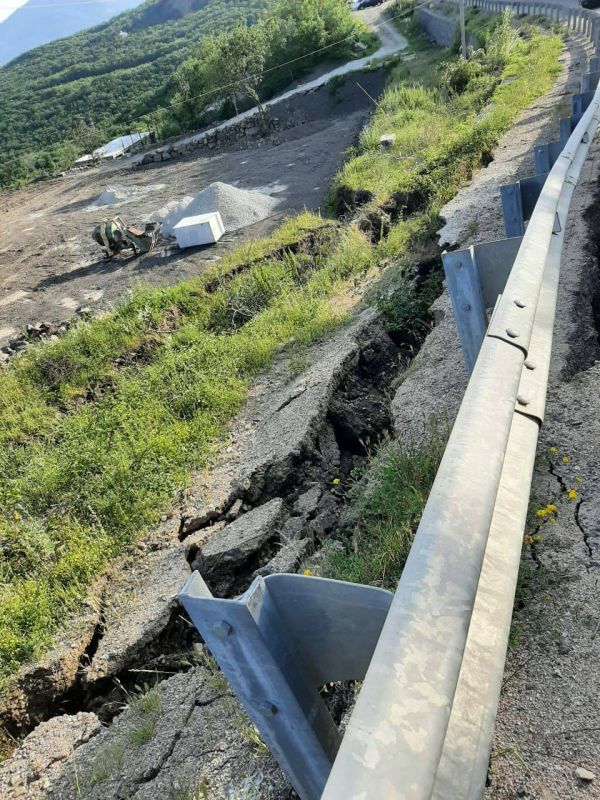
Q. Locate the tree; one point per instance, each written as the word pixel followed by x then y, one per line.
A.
pixel 240 61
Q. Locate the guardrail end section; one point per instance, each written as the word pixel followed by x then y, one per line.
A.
pixel 277 644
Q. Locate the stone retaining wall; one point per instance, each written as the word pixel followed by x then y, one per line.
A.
pixel 245 133
pixel 441 28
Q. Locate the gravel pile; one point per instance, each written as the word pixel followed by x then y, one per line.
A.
pixel 238 207
pixel 116 195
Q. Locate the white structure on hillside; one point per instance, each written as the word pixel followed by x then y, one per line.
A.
pixel 115 148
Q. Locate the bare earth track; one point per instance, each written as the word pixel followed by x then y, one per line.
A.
pixel 49 265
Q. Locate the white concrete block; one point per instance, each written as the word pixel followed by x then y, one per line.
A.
pixel 201 229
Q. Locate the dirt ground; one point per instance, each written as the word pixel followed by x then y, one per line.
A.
pixel 50 266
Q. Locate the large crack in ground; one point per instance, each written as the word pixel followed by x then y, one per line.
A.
pixel 355 417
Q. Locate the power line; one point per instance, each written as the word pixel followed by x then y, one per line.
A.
pixel 219 89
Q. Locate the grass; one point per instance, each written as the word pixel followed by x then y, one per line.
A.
pixel 78 486
pixel 441 136
pixel 108 761
pixel 386 506
pixel 99 429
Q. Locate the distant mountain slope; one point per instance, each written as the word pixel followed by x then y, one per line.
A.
pixel 98 80
pixel 37 22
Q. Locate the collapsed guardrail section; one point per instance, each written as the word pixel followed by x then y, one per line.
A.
pixel 432 655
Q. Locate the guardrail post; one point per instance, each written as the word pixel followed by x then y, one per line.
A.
pixel 580 102
pixel 589 81
pixel 594 64
pixel 512 209
pixel 277 644
pixel 566 128
pixel 465 292
pixel 476 277
pixel 541 158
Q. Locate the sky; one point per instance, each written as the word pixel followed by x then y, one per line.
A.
pixel 8 6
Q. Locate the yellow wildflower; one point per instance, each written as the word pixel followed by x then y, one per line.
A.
pixel 572 494
pixel 541 512
pixel 552 509
pixel 578 479
pixel 537 538
pixel 336 481
pixel 307 572
pixel 546 596
pixel 553 520
pixel 554 450
pixel 565 460
pixel 17 516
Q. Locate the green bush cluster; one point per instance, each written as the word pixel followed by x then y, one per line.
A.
pixel 229 67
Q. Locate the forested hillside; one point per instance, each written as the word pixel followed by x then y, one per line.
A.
pixel 69 96
pixel 36 23
pixel 72 93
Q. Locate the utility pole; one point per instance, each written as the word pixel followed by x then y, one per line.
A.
pixel 463 35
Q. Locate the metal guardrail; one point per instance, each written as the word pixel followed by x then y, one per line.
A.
pixel 423 722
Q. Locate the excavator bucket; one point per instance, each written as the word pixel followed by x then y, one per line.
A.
pixel 114 237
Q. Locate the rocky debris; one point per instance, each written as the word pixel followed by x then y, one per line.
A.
pixel 41 758
pixel 287 558
pixel 326 518
pixel 226 555
pixel 294 528
pixel 238 208
pixel 307 503
pixel 279 436
pixel 187 734
pixel 36 332
pixel 329 447
pixel 584 775
pixel 141 601
pixel 234 511
pixel 387 140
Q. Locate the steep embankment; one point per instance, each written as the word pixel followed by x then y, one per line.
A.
pixel 99 431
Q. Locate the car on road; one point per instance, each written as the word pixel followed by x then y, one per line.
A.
pixel 589 3
pixel 367 4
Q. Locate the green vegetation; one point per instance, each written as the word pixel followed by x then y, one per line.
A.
pixel 99 429
pixel 229 67
pixel 387 508
pixel 71 96
pixel 443 132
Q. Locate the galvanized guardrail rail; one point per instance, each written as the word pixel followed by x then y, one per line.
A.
pixel 432 655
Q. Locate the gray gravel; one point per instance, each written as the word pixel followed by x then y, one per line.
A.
pixel 238 207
